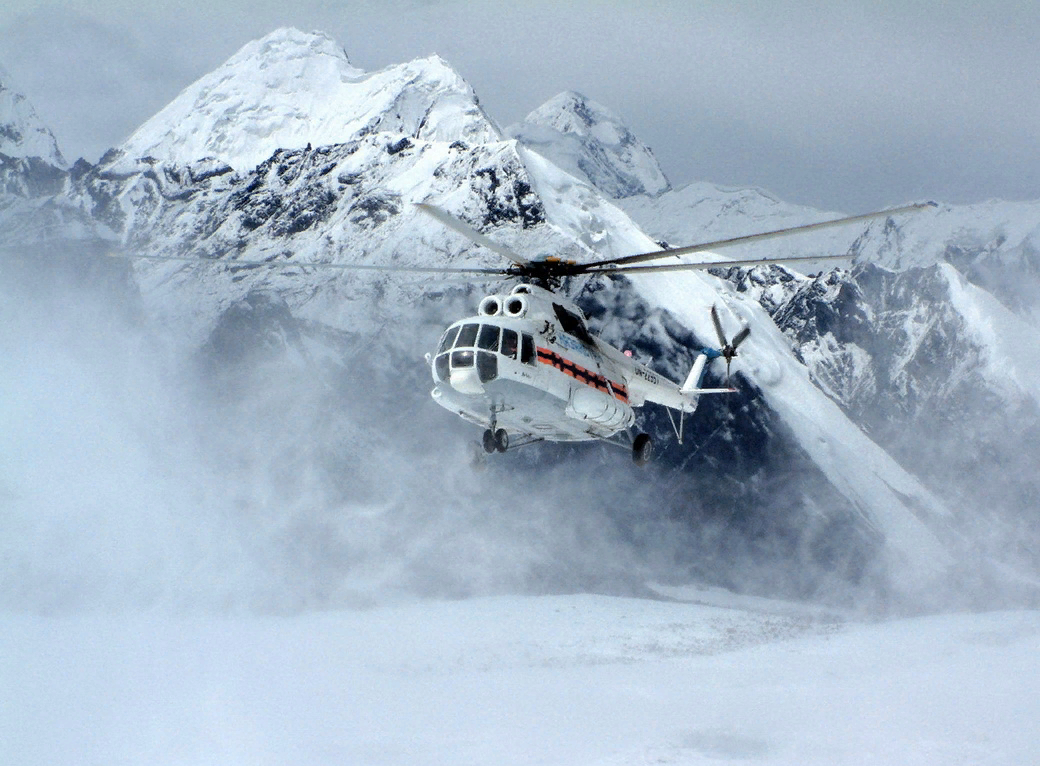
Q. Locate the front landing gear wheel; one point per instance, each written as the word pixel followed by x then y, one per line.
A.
pixel 642 449
pixel 495 441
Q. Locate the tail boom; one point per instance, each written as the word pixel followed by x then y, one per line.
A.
pixel 649 386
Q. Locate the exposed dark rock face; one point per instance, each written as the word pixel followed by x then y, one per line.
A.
pixel 740 478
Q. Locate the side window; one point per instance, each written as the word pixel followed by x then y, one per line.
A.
pixel 488 339
pixel 467 336
pixel 527 350
pixel 509 342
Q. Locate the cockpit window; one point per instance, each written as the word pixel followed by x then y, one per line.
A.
pixel 488 338
pixel 449 338
pixel 461 359
pixel 440 366
pixel 467 335
pixel 509 342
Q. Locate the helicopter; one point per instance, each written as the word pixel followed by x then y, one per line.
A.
pixel 526 368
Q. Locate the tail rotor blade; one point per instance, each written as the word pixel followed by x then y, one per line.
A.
pixel 740 337
pixel 718 327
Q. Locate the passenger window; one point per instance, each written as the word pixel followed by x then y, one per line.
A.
pixel 509 340
pixel 467 336
pixel 449 338
pixel 527 350
pixel 488 339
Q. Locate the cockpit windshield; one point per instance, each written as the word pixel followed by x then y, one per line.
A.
pixel 448 340
pixel 488 338
pixel 467 335
pixel 481 345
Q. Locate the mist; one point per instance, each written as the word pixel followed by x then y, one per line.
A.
pixel 248 476
pixel 286 466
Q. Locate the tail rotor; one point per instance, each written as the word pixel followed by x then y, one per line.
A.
pixel 728 348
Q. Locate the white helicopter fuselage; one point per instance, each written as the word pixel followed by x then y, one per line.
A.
pixel 528 363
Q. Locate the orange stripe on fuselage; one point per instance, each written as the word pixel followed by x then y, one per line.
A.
pixel 582 374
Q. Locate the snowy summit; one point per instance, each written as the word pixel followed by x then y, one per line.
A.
pixel 592 143
pixel 290 89
pixel 22 133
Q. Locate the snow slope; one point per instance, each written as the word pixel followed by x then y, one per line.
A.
pixel 552 680
pixel 290 89
pixel 1012 362
pixel 995 243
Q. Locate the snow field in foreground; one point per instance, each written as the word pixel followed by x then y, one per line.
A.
pixel 537 680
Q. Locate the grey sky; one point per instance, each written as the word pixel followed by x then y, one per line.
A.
pixel 846 106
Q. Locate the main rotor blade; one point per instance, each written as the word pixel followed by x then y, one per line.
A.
pixel 310 264
pixel 654 255
pixel 664 267
pixel 470 233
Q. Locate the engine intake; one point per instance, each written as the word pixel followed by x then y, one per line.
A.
pixel 489 307
pixel 516 306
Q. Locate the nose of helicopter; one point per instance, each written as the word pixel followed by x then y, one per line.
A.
pixel 466 381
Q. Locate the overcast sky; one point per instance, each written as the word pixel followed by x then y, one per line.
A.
pixel 842 105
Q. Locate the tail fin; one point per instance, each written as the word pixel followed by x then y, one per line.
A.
pixel 693 381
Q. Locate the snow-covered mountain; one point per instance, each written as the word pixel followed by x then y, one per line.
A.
pixel 31 165
pixel 994 244
pixel 591 143
pixel 288 152
pixel 292 89
pixel 937 371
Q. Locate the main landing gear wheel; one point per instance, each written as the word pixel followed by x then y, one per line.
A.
pixel 496 441
pixel 642 449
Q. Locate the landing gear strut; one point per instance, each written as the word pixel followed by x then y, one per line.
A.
pixel 496 440
pixel 642 449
